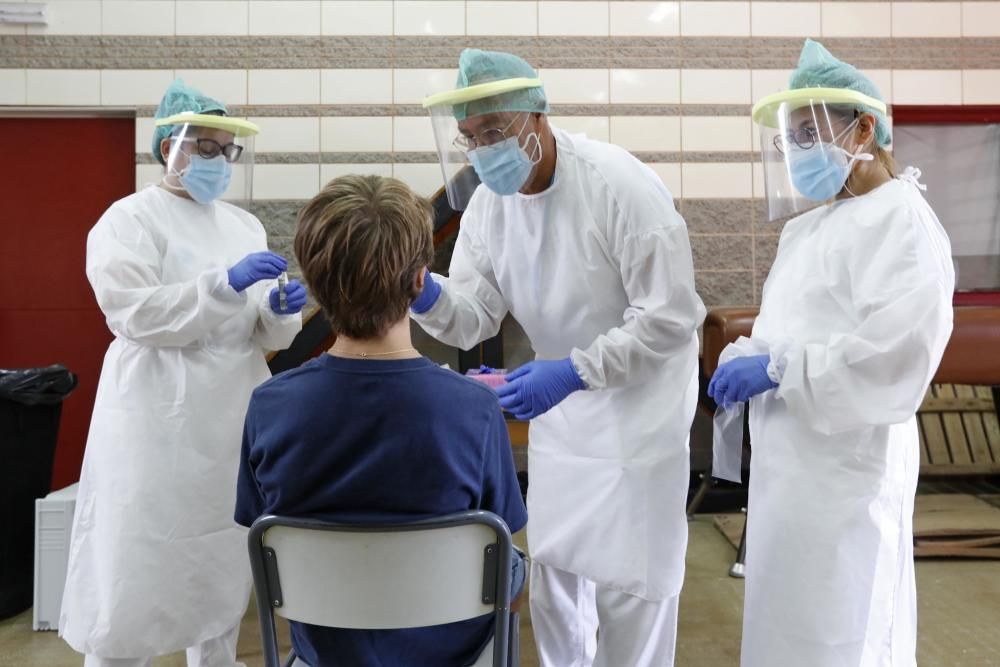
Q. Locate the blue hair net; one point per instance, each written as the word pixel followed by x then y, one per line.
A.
pixel 181 97
pixel 476 66
pixel 818 68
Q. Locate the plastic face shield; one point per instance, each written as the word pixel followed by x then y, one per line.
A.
pixel 203 146
pixel 798 121
pixel 458 128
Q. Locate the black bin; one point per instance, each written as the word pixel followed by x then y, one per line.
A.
pixel 30 406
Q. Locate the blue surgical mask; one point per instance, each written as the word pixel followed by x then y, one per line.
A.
pixel 819 173
pixel 504 167
pixel 206 179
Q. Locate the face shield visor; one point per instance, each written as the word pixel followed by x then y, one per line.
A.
pixel 809 145
pixel 210 157
pixel 484 133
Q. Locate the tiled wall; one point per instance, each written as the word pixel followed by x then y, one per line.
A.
pixel 336 85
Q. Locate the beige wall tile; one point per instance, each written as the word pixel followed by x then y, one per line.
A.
pixel 502 18
pixel 715 19
pixel 646 133
pixel 715 86
pixel 357 17
pixel 857 19
pixel 356 134
pixel 356 86
pixel 64 87
pixel 652 19
pixel 137 17
pixel 645 86
pixel 284 17
pixel 785 19
pixel 134 87
pixel 212 17
pixel 444 17
pixel 981 19
pixel 572 18
pixel 283 86
pixel 717 181
pixel 576 86
pixel 926 19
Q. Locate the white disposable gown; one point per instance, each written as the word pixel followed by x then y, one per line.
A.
pixel 157 563
pixel 856 314
pixel 597 267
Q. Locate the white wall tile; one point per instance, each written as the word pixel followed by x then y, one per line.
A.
pixel 981 19
pixel 502 18
pixel 595 127
pixel 135 17
pixel 981 86
pixel 412 133
pixel 572 18
pixel 285 181
pixel 717 181
pixel 213 17
pixel 70 17
pixel 411 86
pixel 229 86
pixel 882 78
pixel 670 174
pixel 147 174
pixel 857 19
pixel 715 19
pixel 78 87
pixel 758 180
pixel 444 17
pixel 283 86
pixel 285 17
pixel 358 17
pixel 144 128
pixel 926 87
pixel 424 179
pixel 715 86
pixel 764 82
pixel 926 19
pixel 280 134
pixel 576 86
pixel 653 19
pixel 328 172
pixel 646 133
pixel 705 133
pixel 133 87
pixel 356 134
pixel 356 86
pixel 13 86
pixel 645 86
pixel 785 19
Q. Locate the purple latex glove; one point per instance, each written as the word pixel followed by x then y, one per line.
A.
pixel 538 386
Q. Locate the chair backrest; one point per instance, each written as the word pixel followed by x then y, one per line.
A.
pixel 382 576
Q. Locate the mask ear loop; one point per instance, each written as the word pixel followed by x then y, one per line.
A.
pixel 856 156
pixel 535 156
pixel 173 172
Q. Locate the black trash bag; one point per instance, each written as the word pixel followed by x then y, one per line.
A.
pixel 37 386
pixel 30 408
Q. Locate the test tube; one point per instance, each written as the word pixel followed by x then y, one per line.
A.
pixel 282 301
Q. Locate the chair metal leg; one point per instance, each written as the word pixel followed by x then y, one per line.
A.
pixel 514 641
pixel 699 495
pixel 738 569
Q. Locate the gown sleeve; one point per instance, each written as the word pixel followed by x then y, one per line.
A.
pixel 470 308
pixel 650 240
pixel 900 285
pixel 123 267
pixel 273 331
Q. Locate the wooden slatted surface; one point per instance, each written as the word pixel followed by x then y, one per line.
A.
pixel 959 433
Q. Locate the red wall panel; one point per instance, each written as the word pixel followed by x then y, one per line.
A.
pixel 57 176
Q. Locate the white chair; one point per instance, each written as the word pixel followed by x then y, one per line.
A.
pixel 384 576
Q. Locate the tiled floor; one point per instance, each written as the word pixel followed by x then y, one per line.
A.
pixel 959 617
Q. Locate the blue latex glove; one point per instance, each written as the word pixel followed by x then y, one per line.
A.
pixel 536 387
pixel 295 298
pixel 428 297
pixel 255 267
pixel 740 379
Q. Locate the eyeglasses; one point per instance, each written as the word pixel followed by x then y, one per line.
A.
pixel 210 148
pixel 805 138
pixel 486 137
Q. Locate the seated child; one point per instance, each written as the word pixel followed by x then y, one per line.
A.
pixel 372 431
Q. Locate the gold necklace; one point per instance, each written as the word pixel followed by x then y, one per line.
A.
pixel 365 355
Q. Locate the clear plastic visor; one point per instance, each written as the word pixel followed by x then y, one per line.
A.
pixel 456 139
pixel 803 135
pixel 209 163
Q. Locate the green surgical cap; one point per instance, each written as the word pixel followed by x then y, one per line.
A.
pixel 475 67
pixel 818 68
pixel 179 98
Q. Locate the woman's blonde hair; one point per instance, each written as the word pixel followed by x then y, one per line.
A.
pixel 361 243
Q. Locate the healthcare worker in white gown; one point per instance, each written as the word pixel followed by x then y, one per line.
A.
pixel 855 317
pixel 186 283
pixel 581 243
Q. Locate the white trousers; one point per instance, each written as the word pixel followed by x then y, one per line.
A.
pixel 567 610
pixel 218 652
